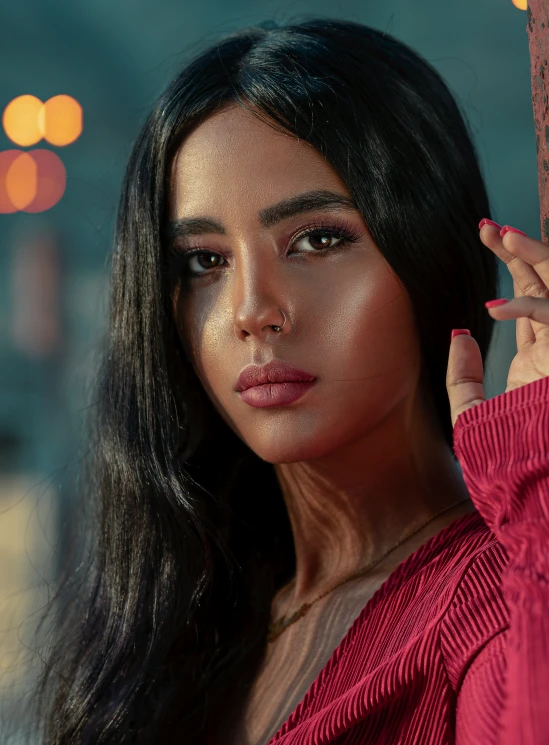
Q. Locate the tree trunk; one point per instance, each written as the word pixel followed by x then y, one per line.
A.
pixel 538 39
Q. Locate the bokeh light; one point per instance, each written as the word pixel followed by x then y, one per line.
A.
pixel 51 181
pixel 520 4
pixel 31 181
pixel 22 181
pixel 7 157
pixel 20 120
pixel 60 120
pixel 27 120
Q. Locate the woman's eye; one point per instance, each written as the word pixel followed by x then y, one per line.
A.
pixel 318 239
pixel 201 261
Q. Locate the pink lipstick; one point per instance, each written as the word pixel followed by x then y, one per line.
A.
pixel 274 384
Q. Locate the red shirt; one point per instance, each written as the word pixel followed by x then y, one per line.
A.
pixel 454 646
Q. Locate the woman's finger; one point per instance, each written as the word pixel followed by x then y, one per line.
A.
pixel 532 252
pixel 536 309
pixel 465 375
pixel 530 255
pixel 491 238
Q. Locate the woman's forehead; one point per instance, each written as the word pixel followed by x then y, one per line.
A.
pixel 233 155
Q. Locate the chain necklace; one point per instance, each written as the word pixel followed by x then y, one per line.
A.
pixel 280 625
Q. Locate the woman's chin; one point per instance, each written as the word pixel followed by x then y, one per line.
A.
pixel 292 451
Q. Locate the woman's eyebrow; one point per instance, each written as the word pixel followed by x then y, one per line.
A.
pixel 309 201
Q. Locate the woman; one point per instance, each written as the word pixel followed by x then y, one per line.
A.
pixel 295 556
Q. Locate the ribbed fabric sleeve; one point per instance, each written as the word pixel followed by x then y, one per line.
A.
pixel 503 448
pixel 453 648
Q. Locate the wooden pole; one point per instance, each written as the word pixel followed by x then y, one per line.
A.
pixel 537 29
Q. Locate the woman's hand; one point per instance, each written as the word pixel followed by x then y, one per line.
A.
pixel 528 261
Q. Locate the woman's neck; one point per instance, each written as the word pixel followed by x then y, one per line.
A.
pixel 350 507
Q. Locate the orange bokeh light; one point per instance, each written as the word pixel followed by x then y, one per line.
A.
pixel 520 4
pixel 60 120
pixel 7 157
pixel 20 120
pixel 22 181
pixel 51 181
pixel 27 120
pixel 31 181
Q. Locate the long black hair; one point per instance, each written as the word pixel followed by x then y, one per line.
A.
pixel 165 611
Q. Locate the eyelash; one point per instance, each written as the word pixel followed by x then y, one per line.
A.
pixel 177 259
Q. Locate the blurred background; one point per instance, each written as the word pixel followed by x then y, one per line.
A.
pixel 89 73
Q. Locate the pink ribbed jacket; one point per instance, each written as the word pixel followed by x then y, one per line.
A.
pixel 454 646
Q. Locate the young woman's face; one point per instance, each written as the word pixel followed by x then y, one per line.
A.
pixel 348 318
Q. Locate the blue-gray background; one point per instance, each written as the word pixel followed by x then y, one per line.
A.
pixel 114 57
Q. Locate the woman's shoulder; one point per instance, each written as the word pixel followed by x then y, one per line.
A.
pixel 476 611
pixel 479 562
pixel 445 589
pixel 468 564
pixel 463 560
pixel 474 555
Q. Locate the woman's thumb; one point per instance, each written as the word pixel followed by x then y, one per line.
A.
pixel 465 376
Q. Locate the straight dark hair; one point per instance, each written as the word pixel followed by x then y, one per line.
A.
pixel 162 612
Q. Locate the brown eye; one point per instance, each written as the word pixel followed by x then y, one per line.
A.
pixel 202 260
pixel 319 240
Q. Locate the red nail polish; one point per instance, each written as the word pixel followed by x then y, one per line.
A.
pixel 493 303
pixel 485 221
pixel 509 229
pixel 457 332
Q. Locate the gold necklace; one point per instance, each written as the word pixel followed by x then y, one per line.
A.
pixel 280 625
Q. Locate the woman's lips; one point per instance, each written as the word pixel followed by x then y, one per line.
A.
pixel 275 394
pixel 275 371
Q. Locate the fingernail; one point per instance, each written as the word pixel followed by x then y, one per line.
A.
pixel 493 303
pixel 485 221
pixel 509 229
pixel 457 332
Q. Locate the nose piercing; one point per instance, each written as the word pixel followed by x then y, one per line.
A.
pixel 277 328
